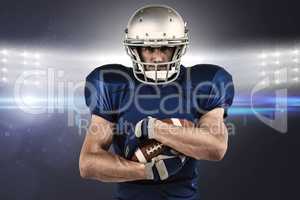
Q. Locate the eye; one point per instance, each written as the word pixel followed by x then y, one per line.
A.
pixel 149 49
pixel 164 48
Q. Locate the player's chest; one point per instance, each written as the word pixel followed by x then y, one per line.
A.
pixel 173 102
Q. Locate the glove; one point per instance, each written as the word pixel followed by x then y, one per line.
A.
pixel 144 129
pixel 163 166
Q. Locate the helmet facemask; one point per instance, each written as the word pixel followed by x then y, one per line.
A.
pixel 158 72
pixel 156 26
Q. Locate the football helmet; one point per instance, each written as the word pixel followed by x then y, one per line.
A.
pixel 156 26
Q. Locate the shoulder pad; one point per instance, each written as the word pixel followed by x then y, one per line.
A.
pixel 205 72
pixel 114 74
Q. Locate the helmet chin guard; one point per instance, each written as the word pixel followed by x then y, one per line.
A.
pixel 156 26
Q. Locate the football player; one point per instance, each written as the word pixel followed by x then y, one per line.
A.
pixel 128 104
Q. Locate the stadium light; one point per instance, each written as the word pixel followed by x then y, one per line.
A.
pixel 264 82
pixel 277 62
pixel 24 54
pixel 296 52
pixel 263 56
pixel 4 70
pixel 4 79
pixel 4 60
pixel 30 100
pixel 295 60
pixel 296 69
pixel 37 56
pixel 263 64
pixel 4 52
pixel 276 54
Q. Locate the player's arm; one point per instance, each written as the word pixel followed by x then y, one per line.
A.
pixel 207 141
pixel 96 162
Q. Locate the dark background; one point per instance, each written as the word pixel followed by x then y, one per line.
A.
pixel 95 23
pixel 39 153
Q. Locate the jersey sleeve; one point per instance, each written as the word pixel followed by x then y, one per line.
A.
pixel 99 96
pixel 221 92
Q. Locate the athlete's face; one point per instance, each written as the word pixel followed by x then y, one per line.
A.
pixel 156 55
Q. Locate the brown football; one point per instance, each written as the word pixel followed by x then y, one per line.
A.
pixel 151 148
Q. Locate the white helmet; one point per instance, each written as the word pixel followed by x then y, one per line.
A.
pixel 156 26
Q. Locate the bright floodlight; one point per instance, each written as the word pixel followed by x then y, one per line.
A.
pixel 277 81
pixel 24 63
pixel 263 56
pixel 24 54
pixel 4 60
pixel 295 60
pixel 296 79
pixel 296 52
pixel 277 62
pixel 4 52
pixel 276 54
pixel 3 69
pixel 4 79
pixel 37 56
pixel 263 82
pixel 296 69
pixel 30 100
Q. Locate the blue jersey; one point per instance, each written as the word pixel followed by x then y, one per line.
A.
pixel 113 93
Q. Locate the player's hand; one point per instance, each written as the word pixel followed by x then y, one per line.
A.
pixel 144 129
pixel 163 166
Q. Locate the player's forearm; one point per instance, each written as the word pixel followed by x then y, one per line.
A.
pixel 198 143
pixel 108 167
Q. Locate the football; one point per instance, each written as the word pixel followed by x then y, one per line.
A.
pixel 152 148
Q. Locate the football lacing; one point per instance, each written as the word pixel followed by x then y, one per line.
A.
pixel 154 148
